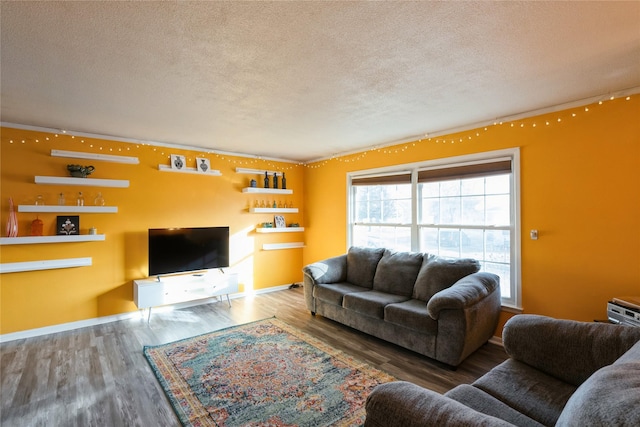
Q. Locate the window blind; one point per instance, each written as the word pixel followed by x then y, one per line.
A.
pixel 391 179
pixel 465 171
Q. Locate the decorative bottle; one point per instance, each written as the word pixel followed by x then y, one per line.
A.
pixel 80 199
pixel 12 221
pixel 99 200
pixel 61 200
pixel 284 182
pixel 275 180
pixel 266 180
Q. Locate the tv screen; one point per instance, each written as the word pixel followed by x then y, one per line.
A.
pixel 178 250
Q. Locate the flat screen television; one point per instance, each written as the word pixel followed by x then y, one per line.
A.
pixel 180 250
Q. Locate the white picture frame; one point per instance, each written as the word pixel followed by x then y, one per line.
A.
pixel 279 221
pixel 178 162
pixel 203 165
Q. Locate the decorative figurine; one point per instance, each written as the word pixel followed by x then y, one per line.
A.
pixel 284 182
pixel 275 180
pixel 266 179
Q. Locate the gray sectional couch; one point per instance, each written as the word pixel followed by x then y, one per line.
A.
pixel 443 309
pixel 560 372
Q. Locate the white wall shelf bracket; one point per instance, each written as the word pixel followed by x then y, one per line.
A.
pixel 18 267
pixel 279 230
pixel 257 190
pixel 88 182
pixel 26 240
pixel 67 209
pixel 95 156
pixel 273 210
pixel 278 246
pixel 257 171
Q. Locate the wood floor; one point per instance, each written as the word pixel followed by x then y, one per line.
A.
pixel 97 376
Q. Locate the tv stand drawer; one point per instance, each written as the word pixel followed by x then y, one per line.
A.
pixel 152 292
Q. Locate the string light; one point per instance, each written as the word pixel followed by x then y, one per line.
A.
pixel 239 160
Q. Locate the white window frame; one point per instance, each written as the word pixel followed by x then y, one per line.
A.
pixel 512 154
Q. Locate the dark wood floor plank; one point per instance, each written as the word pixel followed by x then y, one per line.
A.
pixel 99 376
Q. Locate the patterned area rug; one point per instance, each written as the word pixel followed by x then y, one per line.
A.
pixel 265 373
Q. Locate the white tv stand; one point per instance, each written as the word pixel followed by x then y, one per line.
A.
pixel 154 292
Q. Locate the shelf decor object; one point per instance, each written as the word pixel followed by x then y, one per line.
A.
pixel 88 182
pixel 18 267
pixel 178 161
pixel 12 221
pixel 210 172
pixel 92 156
pixel 202 164
pixel 79 171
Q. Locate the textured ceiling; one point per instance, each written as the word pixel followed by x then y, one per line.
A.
pixel 305 80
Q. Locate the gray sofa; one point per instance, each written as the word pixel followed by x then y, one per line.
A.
pixel 560 372
pixel 443 309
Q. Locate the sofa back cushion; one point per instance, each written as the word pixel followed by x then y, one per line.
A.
pixel 397 272
pixel 437 274
pixel 610 397
pixel 361 265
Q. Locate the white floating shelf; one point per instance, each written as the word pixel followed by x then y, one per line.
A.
pixel 67 209
pixel 90 182
pixel 93 156
pixel 17 267
pixel 279 230
pixel 278 246
pixel 256 190
pixel 26 240
pixel 257 171
pixel 211 172
pixel 273 210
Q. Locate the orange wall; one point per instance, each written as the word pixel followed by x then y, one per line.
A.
pixel 579 187
pixel 154 199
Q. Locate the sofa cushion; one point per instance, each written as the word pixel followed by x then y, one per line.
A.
pixel 334 293
pixel 482 402
pixel 437 274
pixel 411 314
pixel 362 264
pixel 611 396
pixel 370 303
pixel 527 390
pixel 397 272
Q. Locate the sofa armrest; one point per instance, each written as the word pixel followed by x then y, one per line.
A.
pixel 464 293
pixel 331 270
pixel 404 404
pixel 566 349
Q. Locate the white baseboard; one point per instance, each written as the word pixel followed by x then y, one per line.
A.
pixel 496 341
pixel 63 327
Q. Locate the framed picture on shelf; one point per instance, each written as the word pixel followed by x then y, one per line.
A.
pixel 203 165
pixel 177 161
pixel 68 225
pixel 279 220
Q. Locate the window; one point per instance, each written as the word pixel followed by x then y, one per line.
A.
pixel 457 208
